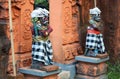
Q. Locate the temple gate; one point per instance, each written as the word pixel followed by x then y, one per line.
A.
pixel 69 19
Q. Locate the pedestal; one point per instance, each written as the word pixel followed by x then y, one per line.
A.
pixel 38 74
pixel 91 68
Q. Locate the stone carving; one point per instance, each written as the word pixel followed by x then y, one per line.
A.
pixel 67 16
pixel 31 1
pixel 27 24
pixel 71 45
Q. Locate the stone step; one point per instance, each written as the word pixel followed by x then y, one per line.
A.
pixel 36 74
pixel 83 58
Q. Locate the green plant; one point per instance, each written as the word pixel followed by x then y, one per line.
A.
pixel 42 3
pixel 113 70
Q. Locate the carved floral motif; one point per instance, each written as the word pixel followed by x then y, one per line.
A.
pixel 27 24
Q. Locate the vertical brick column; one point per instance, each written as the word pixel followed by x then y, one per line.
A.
pixel 64 20
pixel 21 10
pixel 65 36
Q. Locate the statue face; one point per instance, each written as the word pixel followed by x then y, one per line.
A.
pixel 95 20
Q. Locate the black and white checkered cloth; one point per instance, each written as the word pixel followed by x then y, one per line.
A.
pixel 42 51
pixel 95 41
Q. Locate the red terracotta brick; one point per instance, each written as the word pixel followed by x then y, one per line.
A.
pixel 35 77
pixel 71 50
pixel 91 69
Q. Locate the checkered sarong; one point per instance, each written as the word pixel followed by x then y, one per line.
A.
pixel 95 41
pixel 42 51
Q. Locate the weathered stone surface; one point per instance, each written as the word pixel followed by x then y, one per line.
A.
pixel 49 68
pixel 38 74
pixel 18 76
pixel 36 77
pixel 89 77
pixel 91 69
pixel 64 75
pixel 21 22
pixel 88 59
pixel 68 67
pixel 22 60
pixel 65 36
pixel 71 50
pixel 70 28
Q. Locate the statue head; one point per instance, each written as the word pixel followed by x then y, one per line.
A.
pixel 40 16
pixel 95 16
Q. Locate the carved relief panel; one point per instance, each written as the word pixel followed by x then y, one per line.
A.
pixel 70 29
pixel 21 22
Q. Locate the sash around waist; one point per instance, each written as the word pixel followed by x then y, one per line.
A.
pixel 39 38
pixel 93 31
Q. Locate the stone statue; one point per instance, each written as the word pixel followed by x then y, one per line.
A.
pixel 41 45
pixel 94 39
pixel 4 51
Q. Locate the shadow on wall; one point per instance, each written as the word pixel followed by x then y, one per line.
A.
pixel 4 51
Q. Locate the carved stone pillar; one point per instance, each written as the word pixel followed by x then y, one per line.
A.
pixel 65 35
pixel 21 18
pixel 64 20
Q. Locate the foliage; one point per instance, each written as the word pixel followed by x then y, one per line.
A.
pixel 42 3
pixel 39 1
pixel 113 70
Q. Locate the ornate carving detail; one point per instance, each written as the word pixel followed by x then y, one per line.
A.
pixel 63 1
pixel 67 16
pixel 92 70
pixel 71 50
pixel 70 1
pixel 80 68
pixel 23 2
pixel 31 1
pixel 27 24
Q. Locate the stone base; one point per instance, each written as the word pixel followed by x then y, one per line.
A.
pixel 37 77
pixel 83 58
pixel 91 69
pixel 38 74
pixel 89 77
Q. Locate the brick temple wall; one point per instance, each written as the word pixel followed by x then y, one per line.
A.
pixel 69 22
pixel 21 10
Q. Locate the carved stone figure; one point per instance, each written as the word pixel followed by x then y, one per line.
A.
pixel 94 40
pixel 41 45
